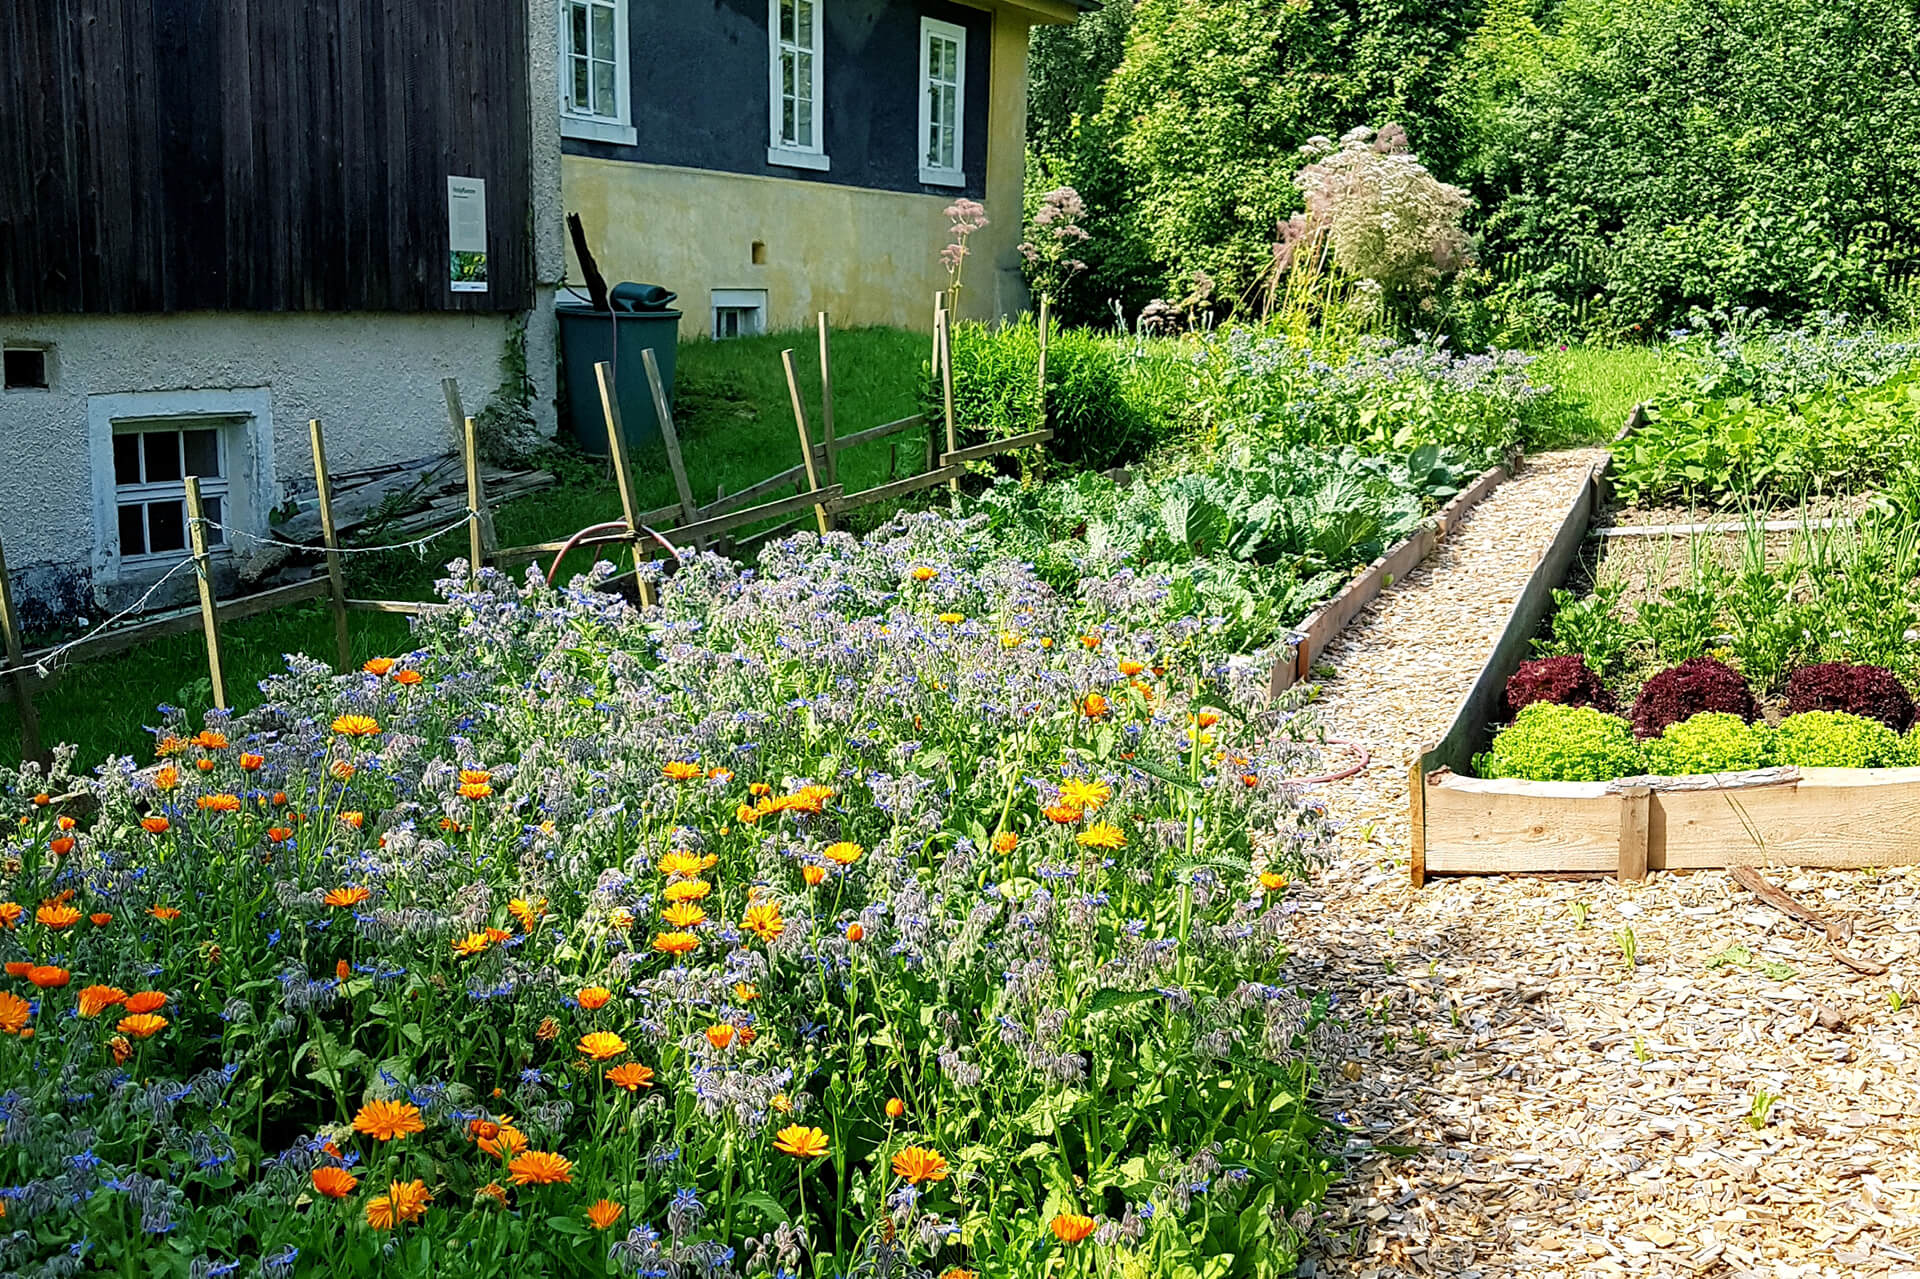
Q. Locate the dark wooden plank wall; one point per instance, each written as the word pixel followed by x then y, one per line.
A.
pixel 264 155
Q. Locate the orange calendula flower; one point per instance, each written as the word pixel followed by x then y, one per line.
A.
pixel 14 1012
pixel 679 770
pixel 147 1001
pixel 165 914
pixel 166 778
pixel 122 1049
pixel 356 725
pixel 746 815
pixel 813 875
pixel 844 853
pixel 251 762
pixel 763 921
pixel 1071 1227
pixel 142 1025
pixel 165 748
pixel 745 992
pixel 505 1144
pixel 19 967
pixel 1084 793
pixel 378 665
pixel 279 834
pixel 57 916
pixel 354 819
pixel 101 918
pixel 604 1214
pixel 1093 705
pixel 1272 881
pixel 492 1190
pixel 155 825
pixel 896 1108
pixel 478 1128
pixel 683 864
pixel 527 912
pixel 48 976
pixel 334 1183
pixel 592 997
pixel 470 945
pixel 602 1045
pixel 630 1075
pixel 349 895
pixel 405 1201
pixel 1005 842
pixel 919 1164
pixel 687 890
pixel 342 771
pixel 476 790
pixel 720 1035
pixel 222 803
pixel 208 740
pixel 810 799
pixel 955 1272
pixel 1130 668
pixel 61 845
pixel 547 1031
pixel 11 913
pixel 407 678
pixel 389 1120
pixel 1061 814
pixel 620 917
pixel 856 933
pixel 675 943
pixel 925 573
pixel 95 1000
pixel 204 765
pixel 801 1142
pixel 1101 835
pixel 343 970
pixel 684 915
pixel 539 1168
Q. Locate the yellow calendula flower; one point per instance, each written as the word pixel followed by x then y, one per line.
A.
pixel 1102 835
pixel 1085 793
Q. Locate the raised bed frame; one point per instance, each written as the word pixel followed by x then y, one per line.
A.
pixel 1833 818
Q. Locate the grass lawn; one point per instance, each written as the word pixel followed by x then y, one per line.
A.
pixel 736 428
pixel 1600 385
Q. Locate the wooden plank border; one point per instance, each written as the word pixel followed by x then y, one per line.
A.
pixel 1294 662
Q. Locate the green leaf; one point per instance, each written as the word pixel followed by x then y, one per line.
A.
pixel 1107 1000
pixel 567 1225
pixel 767 1204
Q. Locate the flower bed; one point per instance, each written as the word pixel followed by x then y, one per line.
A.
pixel 879 910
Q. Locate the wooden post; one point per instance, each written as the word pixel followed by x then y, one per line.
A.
pixel 477 541
pixel 457 419
pixel 939 305
pixel 203 569
pixel 946 388
pixel 1636 803
pixel 1417 815
pixel 826 406
pixel 622 478
pixel 14 649
pixel 330 538
pixel 688 512
pixel 806 444
pixel 1043 359
pixel 725 545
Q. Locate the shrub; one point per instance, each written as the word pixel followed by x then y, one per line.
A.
pixel 1096 421
pixel 1698 684
pixel 1834 739
pixel 1564 681
pixel 1710 742
pixel 1871 692
pixel 1549 743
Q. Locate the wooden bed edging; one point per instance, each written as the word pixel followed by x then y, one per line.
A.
pixel 1321 627
pixel 1455 750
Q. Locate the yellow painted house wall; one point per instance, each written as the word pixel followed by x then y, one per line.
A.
pixel 865 256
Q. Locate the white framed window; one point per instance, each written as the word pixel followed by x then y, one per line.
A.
pixel 943 101
pixel 796 125
pixel 143 445
pixel 594 57
pixel 739 313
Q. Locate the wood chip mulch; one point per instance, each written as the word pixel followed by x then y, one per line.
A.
pixel 1517 1098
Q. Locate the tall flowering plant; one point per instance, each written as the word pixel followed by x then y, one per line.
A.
pixel 1054 237
pixel 964 217
pixel 874 910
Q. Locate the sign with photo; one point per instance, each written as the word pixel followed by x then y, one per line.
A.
pixel 467 234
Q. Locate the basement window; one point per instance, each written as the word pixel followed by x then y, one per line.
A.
pixel 150 464
pixel 26 368
pixel 739 313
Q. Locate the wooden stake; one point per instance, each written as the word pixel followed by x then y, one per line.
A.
pixel 622 478
pixel 1043 359
pixel 476 506
pixel 209 610
pixel 806 444
pixel 946 387
pixel 939 305
pixel 826 406
pixel 1635 812
pixel 1417 815
pixel 457 419
pixel 23 680
pixel 330 538
pixel 689 513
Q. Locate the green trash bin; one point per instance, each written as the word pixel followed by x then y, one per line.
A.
pixel 588 337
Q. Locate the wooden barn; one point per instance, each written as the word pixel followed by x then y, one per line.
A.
pixel 221 218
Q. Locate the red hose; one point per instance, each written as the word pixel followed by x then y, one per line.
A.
pixel 577 539
pixel 1366 758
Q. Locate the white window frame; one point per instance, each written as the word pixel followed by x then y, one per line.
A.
pixel 245 419
pixel 779 151
pixel 754 300
pixel 578 122
pixel 931 174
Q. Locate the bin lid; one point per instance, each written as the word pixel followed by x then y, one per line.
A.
pixel 641 297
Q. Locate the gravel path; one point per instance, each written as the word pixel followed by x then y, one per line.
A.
pixel 1520 1099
